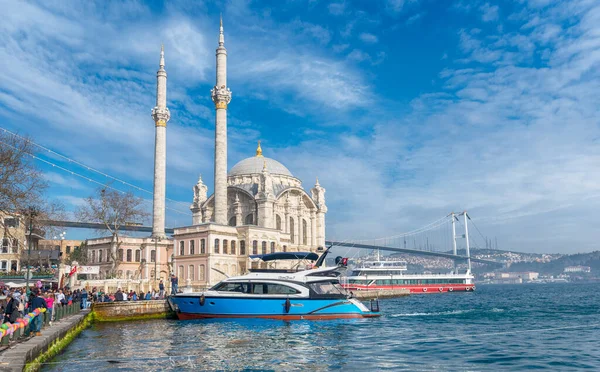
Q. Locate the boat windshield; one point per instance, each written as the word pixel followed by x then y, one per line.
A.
pixel 255 288
pixel 327 288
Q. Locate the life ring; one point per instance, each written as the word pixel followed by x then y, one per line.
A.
pixel 450 289
pixel 466 289
pixel 441 289
pixel 424 289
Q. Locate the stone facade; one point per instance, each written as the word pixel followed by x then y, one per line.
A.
pixel 65 247
pixel 15 241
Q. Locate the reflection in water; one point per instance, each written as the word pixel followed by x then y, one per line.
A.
pixel 485 330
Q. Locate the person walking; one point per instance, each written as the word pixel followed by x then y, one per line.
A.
pixel 49 297
pixel 174 284
pixel 84 299
pixel 37 302
pixel 161 289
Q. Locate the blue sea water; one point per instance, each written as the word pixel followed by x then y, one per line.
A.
pixel 496 328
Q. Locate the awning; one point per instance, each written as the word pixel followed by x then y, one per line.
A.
pixel 285 256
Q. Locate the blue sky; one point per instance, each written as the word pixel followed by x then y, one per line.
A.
pixel 405 110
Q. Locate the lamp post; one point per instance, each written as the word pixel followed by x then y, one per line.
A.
pixel 32 212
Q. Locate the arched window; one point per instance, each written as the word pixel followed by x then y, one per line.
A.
pixel 272 247
pixel 202 246
pixel 179 273
pixel 278 222
pixel 15 246
pixel 192 247
pixel 292 230
pixel 254 247
pixel 128 274
pixel 233 247
pixel 129 255
pixel 243 247
pixel 249 219
pixel 191 272
pixel 93 256
pixel 224 246
pixel 232 221
pixel 304 232
pixel 181 248
pixel 201 272
pixel 233 270
pixel 264 247
pixel 99 255
pixel 138 255
pixel 152 255
pixel 216 245
pixel 120 255
pixel 285 248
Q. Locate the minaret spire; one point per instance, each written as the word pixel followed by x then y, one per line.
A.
pixel 161 115
pixel 221 96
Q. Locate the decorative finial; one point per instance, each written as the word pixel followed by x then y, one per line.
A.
pixel 317 184
pixel 162 56
pixel 264 165
pixel 221 37
pixel 259 150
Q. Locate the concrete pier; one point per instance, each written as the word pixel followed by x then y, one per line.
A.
pixel 131 310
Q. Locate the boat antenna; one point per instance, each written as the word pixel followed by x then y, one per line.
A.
pixel 322 258
pixel 220 272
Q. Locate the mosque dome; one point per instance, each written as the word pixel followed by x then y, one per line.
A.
pixel 256 163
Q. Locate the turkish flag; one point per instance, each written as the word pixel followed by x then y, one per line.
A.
pixel 73 271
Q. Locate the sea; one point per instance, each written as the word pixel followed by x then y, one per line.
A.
pixel 552 327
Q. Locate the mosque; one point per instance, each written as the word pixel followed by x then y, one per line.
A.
pixel 258 207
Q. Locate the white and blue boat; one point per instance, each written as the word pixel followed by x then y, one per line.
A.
pixel 275 294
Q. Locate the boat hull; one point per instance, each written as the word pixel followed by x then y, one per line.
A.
pixel 190 307
pixel 416 289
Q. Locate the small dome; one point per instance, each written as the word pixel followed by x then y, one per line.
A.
pixel 255 165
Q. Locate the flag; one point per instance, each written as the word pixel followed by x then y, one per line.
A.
pixel 73 270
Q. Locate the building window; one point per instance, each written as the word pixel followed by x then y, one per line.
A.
pixel 15 246
pixel 13 265
pixel 99 255
pixel 5 245
pixel 272 247
pixel 202 246
pixel 243 247
pixel 129 255
pixel 192 247
pixel 285 248
pixel 181 248
pixel 180 272
pixel 264 247
pixel 68 249
pixel 11 222
pixel 249 219
pixel 304 233
pixel 191 272
pixel 152 255
pixel 224 246
pixel 216 245
pixel 4 266
pixel 278 222
pixel 201 272
pixel 232 221
pixel 233 269
pixel 120 255
pixel 254 247
pixel 138 255
pixel 292 230
pixel 233 247
pixel 93 256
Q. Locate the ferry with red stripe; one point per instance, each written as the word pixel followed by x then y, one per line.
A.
pixel 390 275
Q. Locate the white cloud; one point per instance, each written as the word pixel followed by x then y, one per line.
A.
pixel 368 38
pixel 489 12
pixel 336 8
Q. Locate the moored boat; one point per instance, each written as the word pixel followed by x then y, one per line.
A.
pixel 275 294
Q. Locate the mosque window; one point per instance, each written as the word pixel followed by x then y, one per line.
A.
pixel 15 246
pixel 192 247
pixel 191 272
pixel 152 255
pixel 138 255
pixel 304 233
pixel 243 247
pixel 100 255
pixel 93 256
pixel 232 221
pixel 272 247
pixel 180 271
pixel 181 248
pixel 254 247
pixel 224 246
pixel 216 245
pixel 129 255
pixel 278 222
pixel 285 248
pixel 292 230
pixel 201 270
pixel 264 247
pixel 120 255
pixel 202 246
pixel 249 219
pixel 233 247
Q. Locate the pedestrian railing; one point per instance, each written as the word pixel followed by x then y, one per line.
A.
pixel 20 330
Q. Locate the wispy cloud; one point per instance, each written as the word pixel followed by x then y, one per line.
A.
pixel 368 38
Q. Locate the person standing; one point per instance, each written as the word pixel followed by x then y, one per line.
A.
pixel 174 284
pixel 119 295
pixel 161 289
pixel 49 297
pixel 36 303
pixel 84 298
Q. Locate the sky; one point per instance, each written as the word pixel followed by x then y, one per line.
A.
pixel 405 110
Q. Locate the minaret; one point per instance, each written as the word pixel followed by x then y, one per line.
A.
pixel 221 96
pixel 161 115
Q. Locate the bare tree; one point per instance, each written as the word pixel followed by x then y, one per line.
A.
pixel 113 209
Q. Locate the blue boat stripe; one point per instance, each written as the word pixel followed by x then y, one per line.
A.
pixel 330 305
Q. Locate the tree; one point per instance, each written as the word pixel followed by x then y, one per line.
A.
pixel 79 254
pixel 113 209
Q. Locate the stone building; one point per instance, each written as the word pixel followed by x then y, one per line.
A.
pixel 65 247
pixel 15 241
pixel 258 207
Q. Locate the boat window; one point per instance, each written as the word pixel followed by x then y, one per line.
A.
pixel 327 288
pixel 232 287
pixel 271 288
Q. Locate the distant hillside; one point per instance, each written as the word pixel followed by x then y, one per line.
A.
pixel 557 266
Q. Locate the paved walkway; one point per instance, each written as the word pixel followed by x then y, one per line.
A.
pixel 16 357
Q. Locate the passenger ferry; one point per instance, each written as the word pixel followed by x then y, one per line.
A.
pixel 390 274
pixel 275 294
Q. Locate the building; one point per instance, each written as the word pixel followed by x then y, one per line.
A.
pixel 63 246
pixel 257 207
pixel 577 269
pixel 16 239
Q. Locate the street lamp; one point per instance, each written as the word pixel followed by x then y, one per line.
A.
pixel 32 212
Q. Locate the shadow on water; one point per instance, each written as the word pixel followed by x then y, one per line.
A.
pixel 511 327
